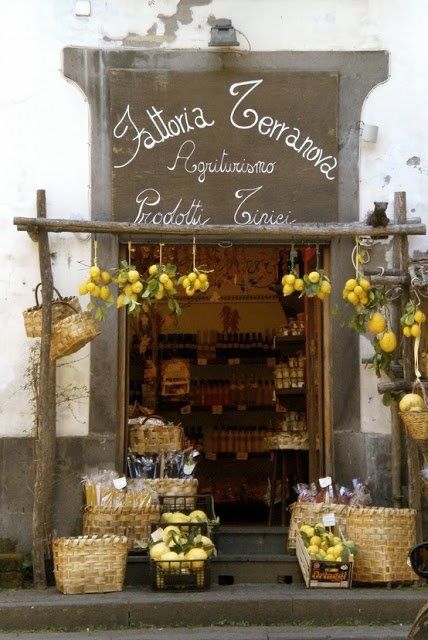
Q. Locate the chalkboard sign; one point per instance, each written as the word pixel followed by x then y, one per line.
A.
pixel 210 148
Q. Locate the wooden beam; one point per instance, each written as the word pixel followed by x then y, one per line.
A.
pixel 45 437
pixel 389 280
pixel 291 232
pixel 397 385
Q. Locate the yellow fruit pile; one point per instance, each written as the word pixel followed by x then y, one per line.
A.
pixel 291 283
pixel 130 285
pixel 97 284
pixel 161 281
pixel 196 280
pixel 324 545
pixel 357 291
pixel 315 283
pixel 412 320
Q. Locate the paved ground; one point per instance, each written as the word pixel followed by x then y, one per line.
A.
pixel 227 633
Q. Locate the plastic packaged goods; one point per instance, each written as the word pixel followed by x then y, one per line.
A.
pixel 358 496
pixel 176 464
pixel 108 489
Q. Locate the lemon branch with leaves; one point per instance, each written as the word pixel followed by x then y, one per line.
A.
pixel 97 286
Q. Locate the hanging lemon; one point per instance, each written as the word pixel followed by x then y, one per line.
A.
pixel 388 342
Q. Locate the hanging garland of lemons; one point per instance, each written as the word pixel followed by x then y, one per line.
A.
pixel 97 286
pixel 412 319
pixel 130 284
pixel 162 284
pixel 316 283
pixel 197 279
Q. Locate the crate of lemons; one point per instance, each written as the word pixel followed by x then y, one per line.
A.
pixel 180 551
pixel 325 558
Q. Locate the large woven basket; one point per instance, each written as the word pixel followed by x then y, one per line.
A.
pixel 61 308
pixel 72 333
pixel 384 538
pixel 416 423
pixel 122 521
pixel 151 435
pixel 89 565
pixel 312 513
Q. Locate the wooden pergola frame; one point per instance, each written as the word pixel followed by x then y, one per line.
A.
pixel 38 228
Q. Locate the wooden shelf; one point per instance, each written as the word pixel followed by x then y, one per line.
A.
pixel 289 339
pixel 290 392
pixel 234 455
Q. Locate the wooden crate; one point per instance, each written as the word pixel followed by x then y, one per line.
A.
pixel 319 574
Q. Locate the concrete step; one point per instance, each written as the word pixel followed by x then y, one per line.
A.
pixel 251 540
pixel 395 632
pixel 239 605
pixel 231 569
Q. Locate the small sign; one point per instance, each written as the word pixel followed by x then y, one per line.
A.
pixel 210 456
pixel 242 456
pixel 186 409
pixel 188 469
pixel 329 520
pixel 119 483
pixel 242 407
pixel 157 535
pixel 217 409
pixel 202 361
pixel 325 482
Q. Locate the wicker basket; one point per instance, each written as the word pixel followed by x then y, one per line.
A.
pixel 383 538
pixel 72 333
pixel 311 513
pixel 122 521
pixel 151 435
pixel 416 424
pixel 89 565
pixel 61 308
pixel 297 440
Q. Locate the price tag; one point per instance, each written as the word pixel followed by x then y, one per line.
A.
pixel 325 482
pixel 217 409
pixel 210 456
pixel 202 361
pixel 119 483
pixel 188 469
pixel 329 519
pixel 186 409
pixel 157 535
pixel 242 407
pixel 242 456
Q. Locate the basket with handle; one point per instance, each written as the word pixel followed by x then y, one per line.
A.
pixel 416 422
pixel 89 564
pixel 384 537
pixel 151 435
pixel 61 308
pixel 72 333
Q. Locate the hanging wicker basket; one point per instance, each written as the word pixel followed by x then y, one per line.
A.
pixel 89 565
pixel 61 308
pixel 152 435
pixel 416 423
pixel 72 333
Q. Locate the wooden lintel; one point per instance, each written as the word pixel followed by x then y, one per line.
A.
pixel 287 232
pixel 389 280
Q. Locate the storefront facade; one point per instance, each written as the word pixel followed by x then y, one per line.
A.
pixel 350 451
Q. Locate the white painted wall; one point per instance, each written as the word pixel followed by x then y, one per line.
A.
pixel 45 137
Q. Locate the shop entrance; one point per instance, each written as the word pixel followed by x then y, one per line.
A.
pixel 241 370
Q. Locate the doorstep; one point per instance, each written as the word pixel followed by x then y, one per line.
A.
pixel 29 609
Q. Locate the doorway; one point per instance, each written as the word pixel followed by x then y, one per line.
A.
pixel 255 363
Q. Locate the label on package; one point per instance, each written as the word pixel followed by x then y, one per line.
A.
pixel 157 535
pixel 119 483
pixel 188 469
pixel 325 482
pixel 329 520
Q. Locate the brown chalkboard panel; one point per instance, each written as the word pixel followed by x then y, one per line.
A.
pixel 223 147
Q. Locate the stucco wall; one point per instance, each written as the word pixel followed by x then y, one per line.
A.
pixel 45 124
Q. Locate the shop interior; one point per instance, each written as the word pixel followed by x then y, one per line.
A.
pixel 234 368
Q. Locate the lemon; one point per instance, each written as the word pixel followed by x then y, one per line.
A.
pixel 350 284
pixel 321 295
pixel 90 286
pixel 359 291
pixel 95 293
pixel 287 289
pixel 299 284
pixel 415 330
pixel 364 283
pixel 313 549
pixel 153 269
pixel 190 291
pixel 364 299
pixel 157 550
pixel 159 295
pixel 83 289
pixel 169 285
pixel 95 272
pixel 325 287
pixel 388 342
pixel 128 289
pixel 120 302
pixel 345 293
pixel 197 284
pixel 122 278
pixel 167 561
pixel 411 401
pixel 330 558
pixel 163 278
pixel 352 298
pixel 377 323
pixel 316 540
pixel 290 278
pixel 203 277
pixel 314 277
pixel 105 276
pixel 137 287
pixel 133 275
pixel 197 556
pixel 104 293
pixel 192 276
pixel 185 283
pixel 205 286
pixel 407 332
pixel 419 316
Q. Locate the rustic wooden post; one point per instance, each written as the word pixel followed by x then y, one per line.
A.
pixel 413 462
pixel 45 437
